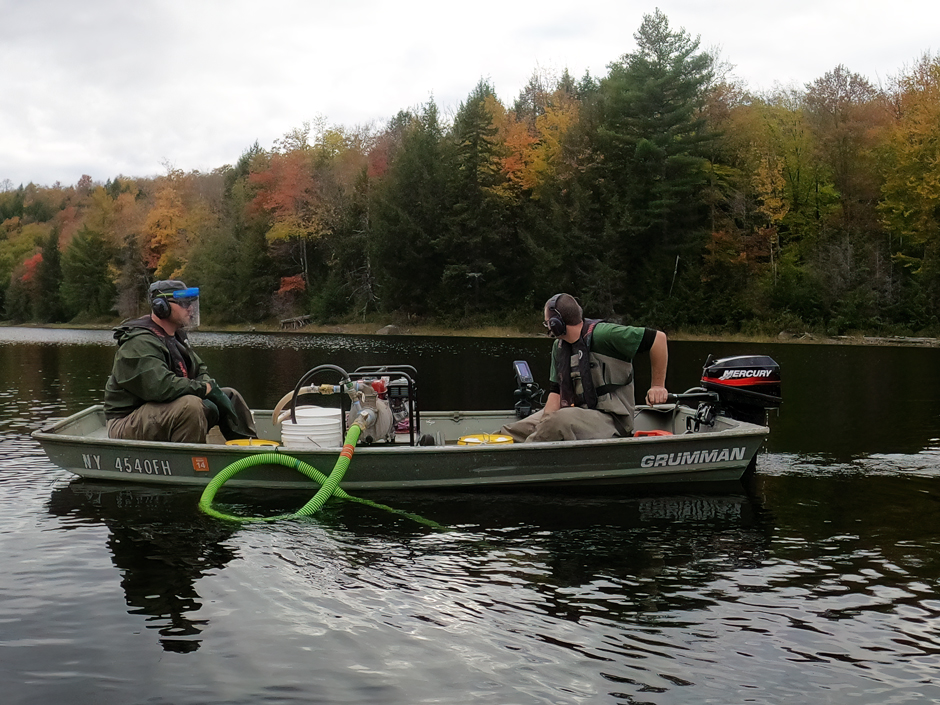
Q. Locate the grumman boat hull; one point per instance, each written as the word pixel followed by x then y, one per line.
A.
pixel 720 453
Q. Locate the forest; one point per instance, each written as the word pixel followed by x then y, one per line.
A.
pixel 663 193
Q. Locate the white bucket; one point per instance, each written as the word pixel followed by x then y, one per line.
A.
pixel 316 427
pixel 317 413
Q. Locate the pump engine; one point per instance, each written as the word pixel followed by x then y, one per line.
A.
pixel 385 398
pixel 370 400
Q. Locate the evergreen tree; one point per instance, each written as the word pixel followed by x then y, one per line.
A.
pixel 651 142
pixel 12 204
pixel 48 304
pixel 406 216
pixel 87 287
pixel 480 244
pixel 232 264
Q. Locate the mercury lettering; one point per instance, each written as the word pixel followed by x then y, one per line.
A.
pixel 145 467
pixel 718 455
pixel 735 374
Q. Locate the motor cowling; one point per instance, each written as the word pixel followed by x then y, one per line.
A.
pixel 747 385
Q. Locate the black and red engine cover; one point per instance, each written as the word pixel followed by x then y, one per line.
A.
pixel 749 380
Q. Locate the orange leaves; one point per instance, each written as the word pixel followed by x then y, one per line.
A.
pixel 68 220
pixel 287 192
pixel 531 151
pixel 292 284
pixel 29 268
pixel 517 165
pixel 284 187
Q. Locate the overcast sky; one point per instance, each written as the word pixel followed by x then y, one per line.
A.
pixel 109 87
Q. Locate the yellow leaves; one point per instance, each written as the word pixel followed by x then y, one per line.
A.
pixel 284 230
pixel 769 185
pixel 532 154
pixel 100 210
pixel 10 226
pixel 911 190
pixel 290 227
pixel 177 216
pixel 165 221
pixel 331 143
pixel 114 218
pixel 552 126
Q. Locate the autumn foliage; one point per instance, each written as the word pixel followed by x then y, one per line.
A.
pixel 663 191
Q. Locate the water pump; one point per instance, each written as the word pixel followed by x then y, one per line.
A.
pixel 370 401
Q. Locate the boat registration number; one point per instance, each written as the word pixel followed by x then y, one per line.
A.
pixel 146 466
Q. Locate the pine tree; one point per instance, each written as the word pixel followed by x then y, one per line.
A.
pixel 87 287
pixel 651 144
pixel 406 215
pixel 48 305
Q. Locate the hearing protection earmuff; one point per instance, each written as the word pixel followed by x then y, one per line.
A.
pixel 556 324
pixel 160 306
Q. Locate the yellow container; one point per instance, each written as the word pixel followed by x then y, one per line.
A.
pixel 252 442
pixel 484 439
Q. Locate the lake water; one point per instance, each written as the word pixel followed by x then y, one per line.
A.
pixel 815 581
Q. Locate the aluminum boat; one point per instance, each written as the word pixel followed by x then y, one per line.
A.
pixel 710 433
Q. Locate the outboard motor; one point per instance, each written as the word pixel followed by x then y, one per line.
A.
pixel 747 386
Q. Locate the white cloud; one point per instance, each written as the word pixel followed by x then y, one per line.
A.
pixel 106 87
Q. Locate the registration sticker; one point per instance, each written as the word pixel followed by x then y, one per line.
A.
pixel 201 464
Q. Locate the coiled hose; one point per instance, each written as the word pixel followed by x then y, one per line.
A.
pixel 329 486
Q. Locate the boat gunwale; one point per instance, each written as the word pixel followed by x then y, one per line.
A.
pixel 51 434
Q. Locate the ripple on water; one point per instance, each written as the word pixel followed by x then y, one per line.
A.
pixel 925 463
pixel 816 583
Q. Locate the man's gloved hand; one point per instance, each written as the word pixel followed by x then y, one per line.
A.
pixel 221 400
pixel 230 424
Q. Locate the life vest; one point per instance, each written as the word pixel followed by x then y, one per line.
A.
pixel 591 380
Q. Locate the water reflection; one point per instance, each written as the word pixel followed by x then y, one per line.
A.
pixel 814 581
pixel 158 545
pixel 630 545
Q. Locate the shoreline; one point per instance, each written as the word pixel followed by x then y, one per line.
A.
pixel 511 332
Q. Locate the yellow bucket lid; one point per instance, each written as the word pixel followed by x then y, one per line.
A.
pixel 251 442
pixel 484 439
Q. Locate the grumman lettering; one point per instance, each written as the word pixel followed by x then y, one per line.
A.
pixel 737 374
pixel 698 457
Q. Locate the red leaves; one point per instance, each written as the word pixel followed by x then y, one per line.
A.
pixel 292 284
pixel 284 187
pixel 29 267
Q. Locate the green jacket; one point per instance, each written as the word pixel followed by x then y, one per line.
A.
pixel 145 370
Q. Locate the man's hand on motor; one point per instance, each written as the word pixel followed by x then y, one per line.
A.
pixel 657 395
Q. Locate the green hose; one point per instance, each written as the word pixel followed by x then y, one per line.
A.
pixel 329 486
